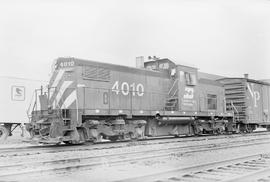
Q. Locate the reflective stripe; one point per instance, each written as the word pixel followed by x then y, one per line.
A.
pixel 61 91
pixel 69 100
pixel 57 79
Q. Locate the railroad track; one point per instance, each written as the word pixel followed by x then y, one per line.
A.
pixel 244 169
pixel 37 149
pixel 54 166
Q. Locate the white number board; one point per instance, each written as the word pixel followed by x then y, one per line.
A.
pixel 126 88
pixel 67 64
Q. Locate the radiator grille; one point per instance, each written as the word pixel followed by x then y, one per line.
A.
pixel 95 73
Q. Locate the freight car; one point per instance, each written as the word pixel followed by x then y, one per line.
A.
pixel 88 100
pixel 249 100
pixel 16 95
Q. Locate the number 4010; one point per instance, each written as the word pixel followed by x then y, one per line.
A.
pixel 125 88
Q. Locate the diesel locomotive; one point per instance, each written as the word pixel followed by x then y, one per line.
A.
pixel 91 101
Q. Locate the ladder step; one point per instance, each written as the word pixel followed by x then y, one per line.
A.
pixel 67 119
pixel 170 105
pixel 171 100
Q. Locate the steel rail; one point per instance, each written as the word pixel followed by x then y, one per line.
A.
pixel 38 167
pixel 236 169
pixel 121 144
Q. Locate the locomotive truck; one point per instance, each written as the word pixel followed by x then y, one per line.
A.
pixel 90 101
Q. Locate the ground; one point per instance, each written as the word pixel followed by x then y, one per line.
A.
pixel 16 140
pixel 108 171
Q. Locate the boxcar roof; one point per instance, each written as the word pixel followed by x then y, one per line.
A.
pixel 209 76
pixel 142 71
pixel 248 80
pixel 210 82
pixel 266 80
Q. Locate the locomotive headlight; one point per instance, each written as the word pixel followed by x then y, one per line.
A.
pixel 173 72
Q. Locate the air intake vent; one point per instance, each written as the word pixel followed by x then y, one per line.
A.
pixel 95 73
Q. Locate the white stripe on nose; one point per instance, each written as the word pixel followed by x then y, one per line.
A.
pixel 57 79
pixel 61 91
pixel 69 100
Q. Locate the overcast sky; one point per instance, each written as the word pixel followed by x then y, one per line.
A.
pixel 217 36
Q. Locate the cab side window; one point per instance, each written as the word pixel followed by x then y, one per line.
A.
pixel 190 79
pixel 212 102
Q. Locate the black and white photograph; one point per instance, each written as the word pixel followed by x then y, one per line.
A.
pixel 135 91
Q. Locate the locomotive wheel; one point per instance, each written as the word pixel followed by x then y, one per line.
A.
pixel 31 133
pixel 81 135
pixel 3 133
pixel 132 136
pixel 99 138
pixel 128 136
pixel 114 138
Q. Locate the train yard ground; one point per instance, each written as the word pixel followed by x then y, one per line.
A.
pixel 206 158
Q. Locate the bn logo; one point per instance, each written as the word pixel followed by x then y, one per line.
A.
pixel 254 94
pixel 18 93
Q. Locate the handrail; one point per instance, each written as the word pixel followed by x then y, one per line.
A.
pixel 56 105
pixel 175 81
pixel 234 107
pixel 175 93
pixel 31 102
pixel 237 116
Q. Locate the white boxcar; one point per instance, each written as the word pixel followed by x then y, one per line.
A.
pixel 16 95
